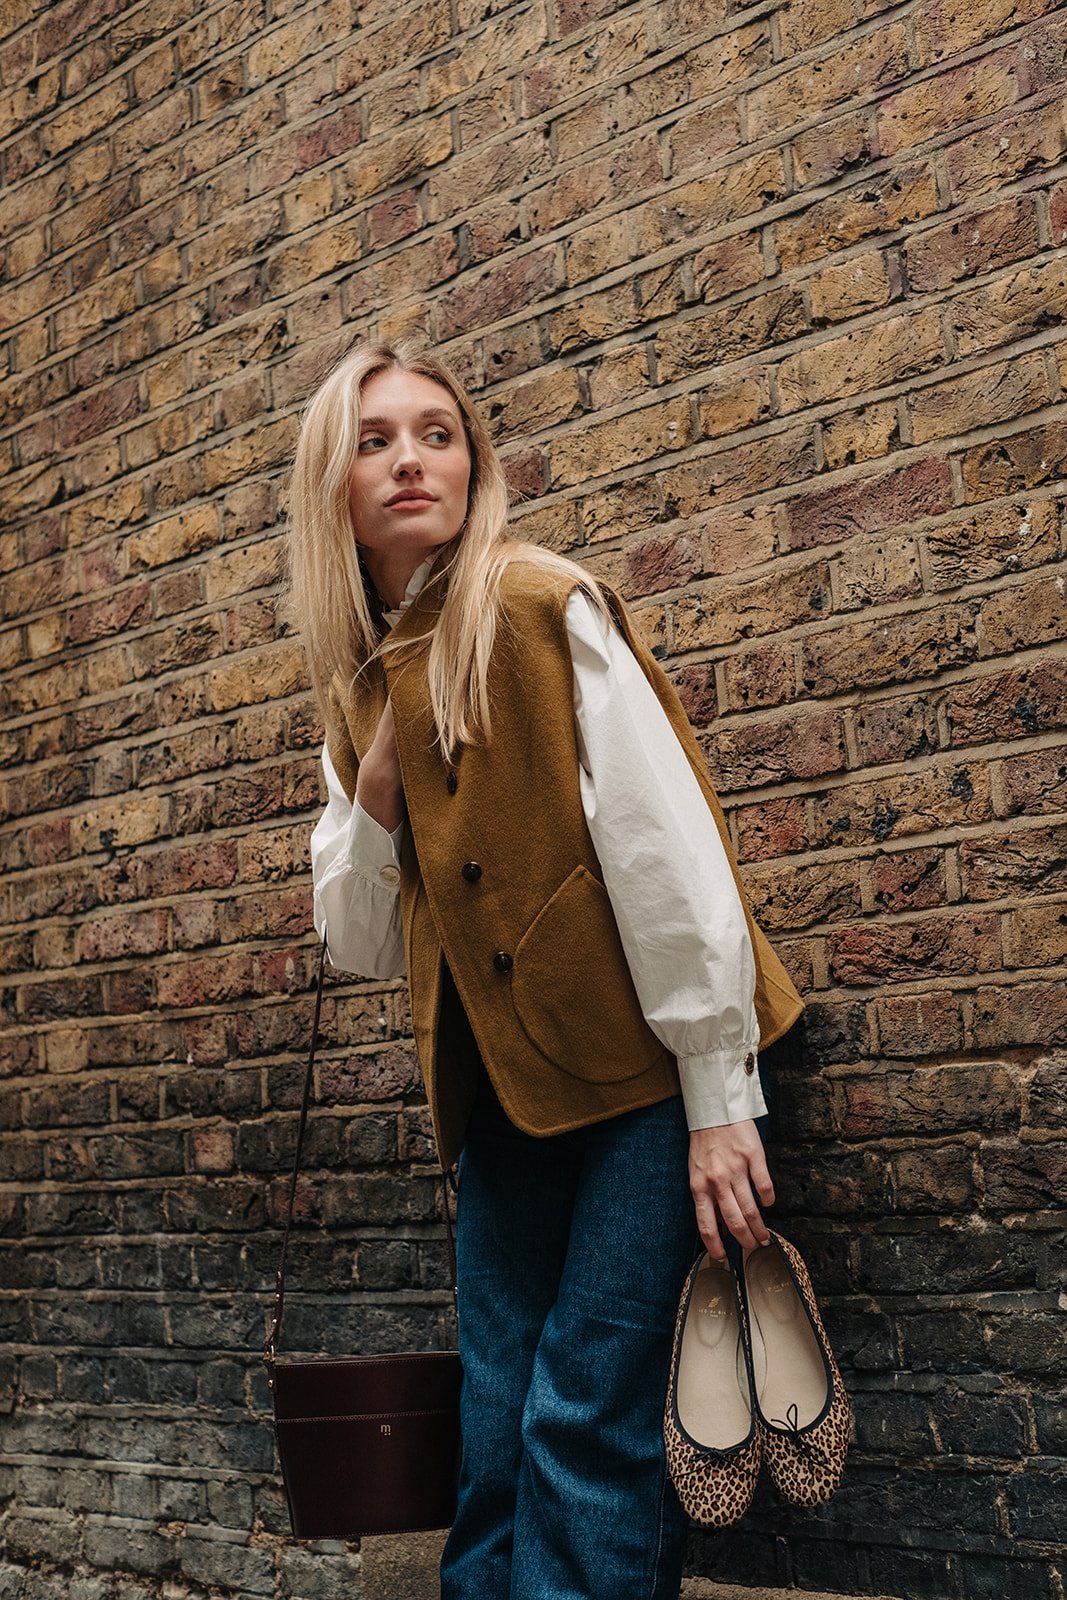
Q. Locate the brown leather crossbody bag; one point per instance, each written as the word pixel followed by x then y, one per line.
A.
pixel 367 1444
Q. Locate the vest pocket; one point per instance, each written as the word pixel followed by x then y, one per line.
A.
pixel 572 989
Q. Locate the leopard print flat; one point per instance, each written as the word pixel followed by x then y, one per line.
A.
pixel 712 1439
pixel 803 1414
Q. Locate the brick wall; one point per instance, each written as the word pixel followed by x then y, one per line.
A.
pixel 765 307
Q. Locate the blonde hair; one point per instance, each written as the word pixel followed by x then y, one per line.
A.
pixel 326 599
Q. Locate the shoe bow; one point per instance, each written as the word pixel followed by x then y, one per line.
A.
pixel 801 1441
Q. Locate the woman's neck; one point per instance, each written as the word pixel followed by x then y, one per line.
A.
pixel 392 571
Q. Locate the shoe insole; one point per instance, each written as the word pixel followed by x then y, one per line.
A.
pixel 714 1404
pixel 786 1358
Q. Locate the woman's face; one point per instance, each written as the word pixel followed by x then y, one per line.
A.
pixel 408 483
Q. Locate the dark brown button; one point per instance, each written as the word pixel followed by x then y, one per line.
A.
pixel 471 871
pixel 451 783
pixel 502 961
pixel 750 1062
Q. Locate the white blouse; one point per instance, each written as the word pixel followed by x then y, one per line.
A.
pixel 662 861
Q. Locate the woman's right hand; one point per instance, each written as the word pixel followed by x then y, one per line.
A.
pixel 379 787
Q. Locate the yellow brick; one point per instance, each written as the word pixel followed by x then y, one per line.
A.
pixel 627 507
pixel 736 539
pixel 170 432
pixel 85 117
pixel 267 675
pixel 406 321
pixel 44 636
pixel 801 93
pixel 875 206
pixel 93 308
pixel 165 379
pixel 867 359
pixel 132 819
pixel 733 401
pixel 850 287
pixel 592 318
pixel 89 519
pixel 721 612
pixel 535 402
pixel 555 526
pixel 100 463
pixel 402 155
pixel 871 572
pixel 607 446
pixel 740 190
pixel 66 1049
pixel 308 200
pixel 262 448
pixel 947 27
pixel 174 538
pixel 804 23
pixel 237 572
pixel 598 248
pixel 997 393
pixel 863 435
pixel 615 47
pixel 619 375
pixel 651 624
pixel 280 48
pixel 947 100
pixel 505 40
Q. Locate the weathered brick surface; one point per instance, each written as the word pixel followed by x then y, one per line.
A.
pixel 765 309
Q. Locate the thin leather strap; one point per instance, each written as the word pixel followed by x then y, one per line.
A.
pixel 274 1331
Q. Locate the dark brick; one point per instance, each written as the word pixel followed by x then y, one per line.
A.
pixel 871 505
pixel 1024 1177
pixel 949 945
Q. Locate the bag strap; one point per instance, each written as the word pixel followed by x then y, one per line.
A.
pixel 274 1331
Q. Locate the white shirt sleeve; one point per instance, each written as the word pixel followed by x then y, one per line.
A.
pixel 355 870
pixel 667 874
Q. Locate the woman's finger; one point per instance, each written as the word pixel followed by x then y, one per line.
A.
pixel 709 1231
pixel 741 1214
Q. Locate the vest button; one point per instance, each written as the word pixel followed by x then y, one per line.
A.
pixel 502 961
pixel 471 871
pixel 452 783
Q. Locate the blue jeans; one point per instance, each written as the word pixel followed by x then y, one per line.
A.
pixel 571 1253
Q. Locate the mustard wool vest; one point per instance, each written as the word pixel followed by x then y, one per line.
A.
pixel 499 878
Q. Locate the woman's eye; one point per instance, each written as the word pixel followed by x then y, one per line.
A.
pixel 437 434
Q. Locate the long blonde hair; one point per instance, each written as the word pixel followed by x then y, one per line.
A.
pixel 326 599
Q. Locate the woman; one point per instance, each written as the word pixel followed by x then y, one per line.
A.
pixel 519 818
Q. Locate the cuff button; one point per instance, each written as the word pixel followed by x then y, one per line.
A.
pixel 750 1062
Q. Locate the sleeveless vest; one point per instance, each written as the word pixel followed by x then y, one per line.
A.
pixel 501 882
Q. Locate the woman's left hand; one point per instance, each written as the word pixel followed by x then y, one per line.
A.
pixel 724 1164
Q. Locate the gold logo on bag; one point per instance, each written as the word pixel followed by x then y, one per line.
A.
pixel 386 1429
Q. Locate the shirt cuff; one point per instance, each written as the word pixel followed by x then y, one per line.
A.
pixel 372 851
pixel 718 1088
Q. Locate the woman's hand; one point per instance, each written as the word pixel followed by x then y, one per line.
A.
pixel 724 1163
pixel 379 787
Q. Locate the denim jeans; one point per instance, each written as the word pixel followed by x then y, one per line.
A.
pixel 571 1252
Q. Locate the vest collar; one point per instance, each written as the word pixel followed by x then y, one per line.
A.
pixel 415 583
pixel 418 611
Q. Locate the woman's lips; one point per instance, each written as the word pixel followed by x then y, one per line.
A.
pixel 409 503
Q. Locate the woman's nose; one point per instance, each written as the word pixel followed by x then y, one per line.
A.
pixel 407 457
